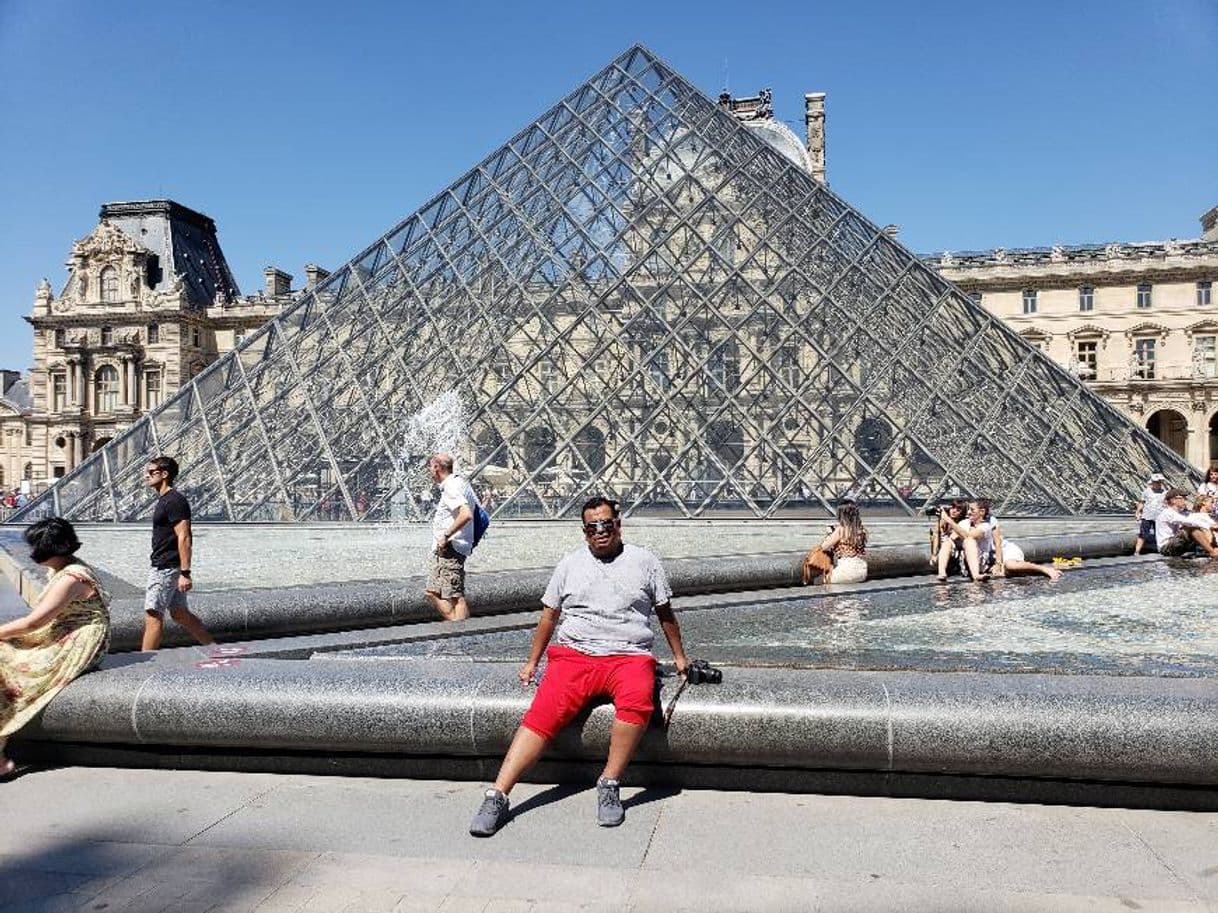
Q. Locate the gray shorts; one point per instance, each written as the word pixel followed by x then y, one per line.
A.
pixel 162 592
pixel 446 574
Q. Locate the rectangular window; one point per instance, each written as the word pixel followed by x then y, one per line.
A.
pixel 1086 298
pixel 107 336
pixel 1087 354
pixel 152 387
pixel 788 364
pixel 1144 359
pixel 1144 295
pixel 974 297
pixel 59 392
pixel 61 337
pixel 1205 356
pixel 195 337
pixel 546 372
pixel 1205 293
pixel 1029 301
pixel 154 334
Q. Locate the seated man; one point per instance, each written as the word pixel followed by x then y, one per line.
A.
pixel 1177 533
pixel 600 600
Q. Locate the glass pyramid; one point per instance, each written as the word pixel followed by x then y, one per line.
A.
pixel 635 296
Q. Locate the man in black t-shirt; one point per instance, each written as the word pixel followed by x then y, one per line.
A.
pixel 169 580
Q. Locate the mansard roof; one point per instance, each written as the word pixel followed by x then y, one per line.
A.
pixel 184 240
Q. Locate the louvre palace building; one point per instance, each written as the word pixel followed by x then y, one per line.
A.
pixel 647 293
pixel 149 303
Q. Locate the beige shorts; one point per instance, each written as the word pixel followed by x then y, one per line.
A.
pixel 446 574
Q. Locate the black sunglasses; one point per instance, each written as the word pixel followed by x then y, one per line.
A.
pixel 599 526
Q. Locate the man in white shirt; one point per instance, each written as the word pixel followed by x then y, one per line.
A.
pixel 986 550
pixel 453 529
pixel 1177 535
pixel 1147 510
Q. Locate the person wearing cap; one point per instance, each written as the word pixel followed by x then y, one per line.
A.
pixel 1147 509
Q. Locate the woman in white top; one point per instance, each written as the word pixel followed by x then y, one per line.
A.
pixel 1210 485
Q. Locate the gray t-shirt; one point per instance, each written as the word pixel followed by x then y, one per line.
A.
pixel 606 605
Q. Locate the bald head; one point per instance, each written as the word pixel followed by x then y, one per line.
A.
pixel 441 465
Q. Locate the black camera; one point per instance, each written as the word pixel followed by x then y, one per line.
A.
pixel 932 510
pixel 700 672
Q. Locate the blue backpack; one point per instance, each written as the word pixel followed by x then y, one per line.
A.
pixel 481 521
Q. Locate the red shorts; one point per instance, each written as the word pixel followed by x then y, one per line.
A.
pixel 573 678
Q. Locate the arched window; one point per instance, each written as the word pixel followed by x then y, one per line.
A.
pixel 105 389
pixel 109 285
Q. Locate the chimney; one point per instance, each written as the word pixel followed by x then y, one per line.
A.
pixel 7 379
pixel 814 119
pixel 1209 225
pixel 315 274
pixel 891 230
pixel 277 282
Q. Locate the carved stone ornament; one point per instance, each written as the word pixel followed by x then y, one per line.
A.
pixel 1112 251
pixel 947 259
pixel 1057 254
pixel 44 292
pixel 1000 255
pixel 105 243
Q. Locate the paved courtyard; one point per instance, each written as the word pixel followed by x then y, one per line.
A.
pixel 145 841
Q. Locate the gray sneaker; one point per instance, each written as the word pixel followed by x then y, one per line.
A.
pixel 609 811
pixel 491 816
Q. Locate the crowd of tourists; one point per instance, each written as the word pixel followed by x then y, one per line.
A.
pixel 594 632
pixel 1175 522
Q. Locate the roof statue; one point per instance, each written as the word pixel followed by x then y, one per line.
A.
pixel 635 296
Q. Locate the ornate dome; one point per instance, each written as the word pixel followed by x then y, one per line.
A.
pixel 782 138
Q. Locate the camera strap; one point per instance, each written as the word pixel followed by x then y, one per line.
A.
pixel 672 704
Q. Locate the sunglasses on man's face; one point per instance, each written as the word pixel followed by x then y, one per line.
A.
pixel 600 526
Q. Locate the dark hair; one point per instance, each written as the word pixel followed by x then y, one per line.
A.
pixel 959 504
pixel 1174 493
pixel 984 504
pixel 51 538
pixel 594 503
pixel 168 464
pixel 1210 471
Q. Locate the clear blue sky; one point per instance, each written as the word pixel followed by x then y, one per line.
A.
pixel 306 129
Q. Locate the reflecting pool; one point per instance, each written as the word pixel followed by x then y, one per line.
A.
pixel 1112 618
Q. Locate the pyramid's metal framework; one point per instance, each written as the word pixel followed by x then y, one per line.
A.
pixel 634 296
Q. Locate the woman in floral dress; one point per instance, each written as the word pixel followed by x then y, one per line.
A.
pixel 65 634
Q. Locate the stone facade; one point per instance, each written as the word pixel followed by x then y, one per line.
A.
pixel 1138 322
pixel 148 304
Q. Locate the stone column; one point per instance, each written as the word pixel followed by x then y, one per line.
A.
pixel 78 448
pixel 814 120
pixel 70 380
pixel 69 452
pixel 125 381
pixel 134 386
pixel 82 392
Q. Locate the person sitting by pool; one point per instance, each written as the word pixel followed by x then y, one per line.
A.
pixel 65 634
pixel 982 537
pixel 1202 516
pixel 845 547
pixel 949 555
pixel 1178 537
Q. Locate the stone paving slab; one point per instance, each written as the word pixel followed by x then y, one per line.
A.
pixel 296 844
